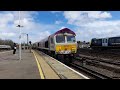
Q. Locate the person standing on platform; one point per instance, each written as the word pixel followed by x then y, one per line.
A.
pixel 30 47
pixel 14 48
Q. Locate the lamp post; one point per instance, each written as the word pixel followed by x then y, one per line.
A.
pixel 19 37
pixel 27 39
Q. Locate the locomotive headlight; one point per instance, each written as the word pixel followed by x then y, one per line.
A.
pixel 59 48
pixel 73 49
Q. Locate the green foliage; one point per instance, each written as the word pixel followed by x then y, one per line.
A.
pixel 6 42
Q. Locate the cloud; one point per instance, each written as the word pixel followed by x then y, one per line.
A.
pixel 101 29
pixel 98 14
pixel 86 24
pixel 58 22
pixel 43 35
pixel 63 27
pixel 92 24
pixel 35 30
pixel 55 11
pixel 82 17
pixel 8 29
pixel 7 35
pixel 5 18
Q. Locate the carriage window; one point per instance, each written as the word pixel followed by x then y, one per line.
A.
pixel 46 44
pixel 103 40
pixel 111 40
pixel 106 40
pixel 70 38
pixel 60 39
pixel 99 41
pixel 117 40
pixel 95 41
pixel 51 40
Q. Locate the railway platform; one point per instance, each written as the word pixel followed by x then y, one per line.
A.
pixel 34 65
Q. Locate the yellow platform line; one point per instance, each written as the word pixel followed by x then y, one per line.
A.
pixel 39 66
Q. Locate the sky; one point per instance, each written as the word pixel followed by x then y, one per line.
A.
pixel 40 24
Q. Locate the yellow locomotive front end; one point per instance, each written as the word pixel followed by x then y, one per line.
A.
pixel 65 44
pixel 66 48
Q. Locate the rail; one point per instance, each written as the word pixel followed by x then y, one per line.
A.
pixel 91 72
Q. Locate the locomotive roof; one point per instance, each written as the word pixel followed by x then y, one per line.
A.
pixel 64 30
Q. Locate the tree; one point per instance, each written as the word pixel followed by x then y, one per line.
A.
pixel 6 42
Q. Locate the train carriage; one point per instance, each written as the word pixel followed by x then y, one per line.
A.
pixel 106 43
pixel 61 43
pixel 5 47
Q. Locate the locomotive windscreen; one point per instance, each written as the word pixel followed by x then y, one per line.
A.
pixel 70 39
pixel 60 39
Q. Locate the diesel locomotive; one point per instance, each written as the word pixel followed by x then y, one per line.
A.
pixel 62 43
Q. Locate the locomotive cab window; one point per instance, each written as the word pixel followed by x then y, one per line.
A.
pixel 70 39
pixel 60 39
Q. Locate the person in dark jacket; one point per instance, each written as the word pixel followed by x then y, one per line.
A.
pixel 14 48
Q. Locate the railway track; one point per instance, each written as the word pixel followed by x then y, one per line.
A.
pixel 108 64
pixel 94 71
pixel 111 70
pixel 110 61
pixel 108 54
pixel 91 72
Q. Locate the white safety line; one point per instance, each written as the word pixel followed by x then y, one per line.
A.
pixel 69 67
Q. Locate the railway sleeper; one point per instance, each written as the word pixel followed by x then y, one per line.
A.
pixel 105 66
pixel 101 59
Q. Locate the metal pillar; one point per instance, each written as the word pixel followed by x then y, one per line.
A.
pixel 20 39
pixel 27 41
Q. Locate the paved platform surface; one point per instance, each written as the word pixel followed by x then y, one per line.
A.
pixel 45 70
pixel 34 65
pixel 12 68
pixel 63 71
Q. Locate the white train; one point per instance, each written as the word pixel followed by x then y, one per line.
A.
pixel 5 47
